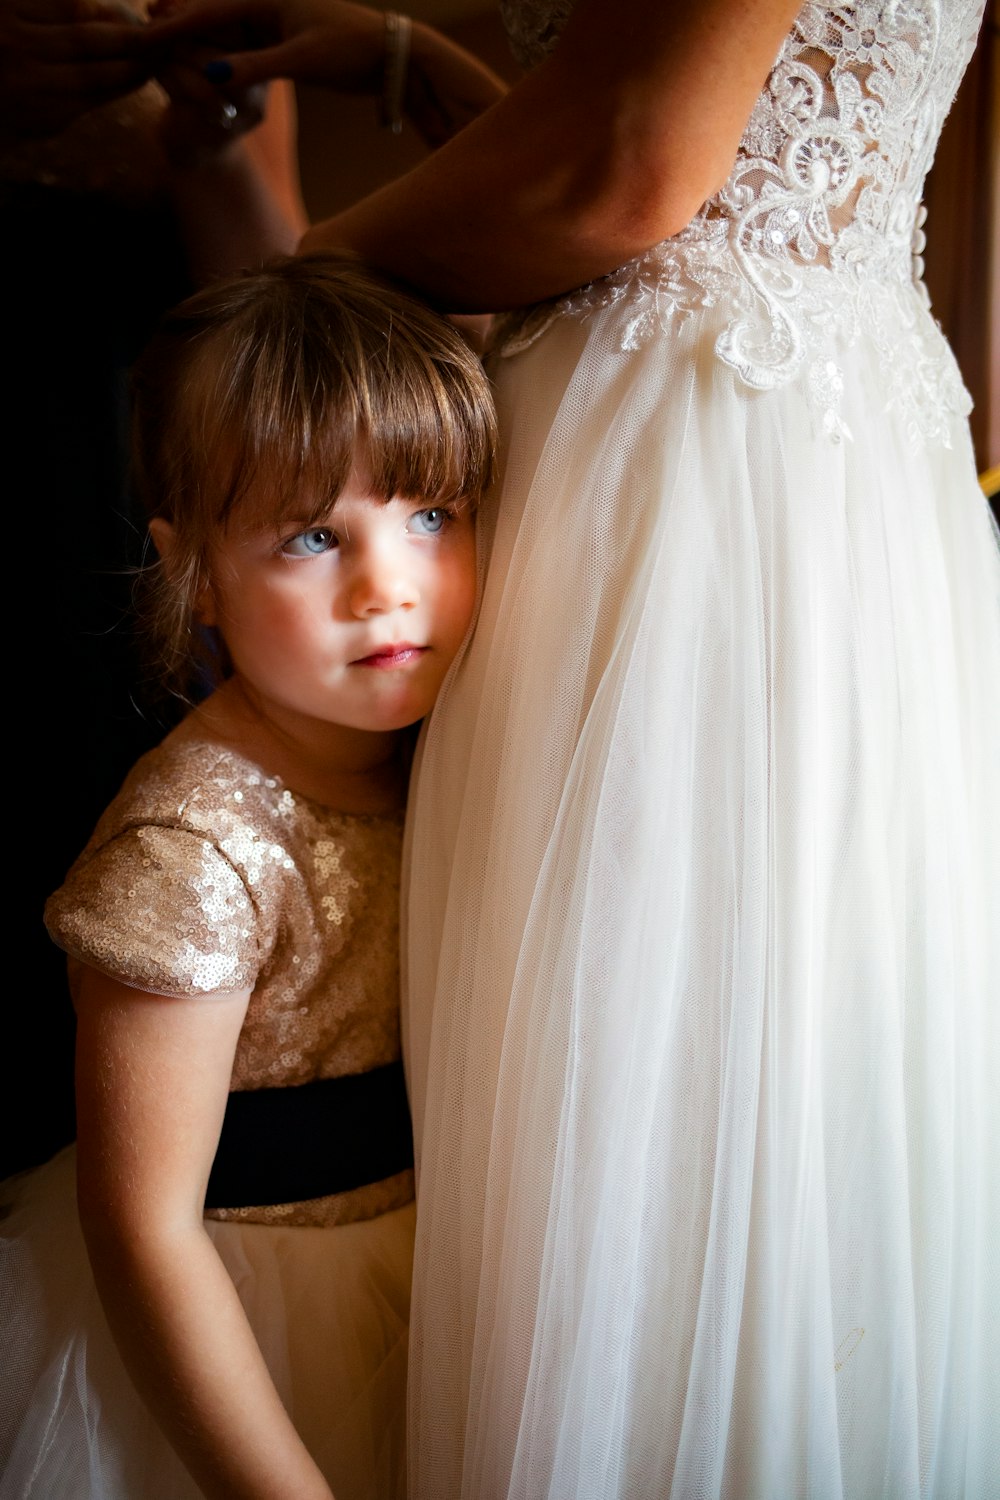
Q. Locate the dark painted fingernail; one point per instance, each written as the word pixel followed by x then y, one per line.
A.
pixel 218 71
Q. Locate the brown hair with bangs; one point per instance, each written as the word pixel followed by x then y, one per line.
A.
pixel 258 395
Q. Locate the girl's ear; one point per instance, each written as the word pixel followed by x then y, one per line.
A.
pixel 161 534
pixel 164 539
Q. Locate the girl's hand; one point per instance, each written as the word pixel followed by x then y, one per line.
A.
pixel 334 43
pixel 61 58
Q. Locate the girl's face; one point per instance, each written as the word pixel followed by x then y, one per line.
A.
pixel 354 622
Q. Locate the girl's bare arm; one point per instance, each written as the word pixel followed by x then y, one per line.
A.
pixel 152 1079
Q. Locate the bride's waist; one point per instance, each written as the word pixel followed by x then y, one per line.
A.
pixel 776 314
pixel 768 277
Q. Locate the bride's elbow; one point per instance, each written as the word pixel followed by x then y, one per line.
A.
pixel 621 224
pixel 626 206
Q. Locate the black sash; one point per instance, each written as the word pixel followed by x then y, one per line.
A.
pixel 289 1144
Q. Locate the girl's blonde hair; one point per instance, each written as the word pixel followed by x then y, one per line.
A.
pixel 258 395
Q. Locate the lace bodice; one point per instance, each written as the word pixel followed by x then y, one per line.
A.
pixel 818 233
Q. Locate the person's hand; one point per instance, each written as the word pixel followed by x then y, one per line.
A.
pixel 61 58
pixel 334 43
pixel 202 121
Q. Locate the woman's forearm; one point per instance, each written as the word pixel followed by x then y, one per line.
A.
pixel 608 147
pixel 493 220
pixel 238 206
pixel 521 205
pixel 229 217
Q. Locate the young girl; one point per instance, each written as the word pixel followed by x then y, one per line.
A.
pixel 311 444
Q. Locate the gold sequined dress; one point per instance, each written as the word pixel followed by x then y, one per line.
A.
pixel 207 875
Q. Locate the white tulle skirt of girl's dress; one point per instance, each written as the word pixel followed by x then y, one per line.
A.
pixel 329 1308
pixel 704 951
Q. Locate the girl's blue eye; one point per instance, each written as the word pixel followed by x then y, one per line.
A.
pixel 310 543
pixel 429 522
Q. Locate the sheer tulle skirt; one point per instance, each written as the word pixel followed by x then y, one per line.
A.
pixel 703 958
pixel 329 1308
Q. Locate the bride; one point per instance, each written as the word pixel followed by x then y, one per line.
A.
pixel 703 948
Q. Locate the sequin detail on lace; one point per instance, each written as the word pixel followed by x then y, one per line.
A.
pixel 816 237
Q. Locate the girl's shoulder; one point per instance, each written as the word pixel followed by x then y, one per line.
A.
pixel 208 787
pixel 190 781
pixel 163 896
pixel 196 865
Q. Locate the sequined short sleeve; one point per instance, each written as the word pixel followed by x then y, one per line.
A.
pixel 162 909
pixel 207 874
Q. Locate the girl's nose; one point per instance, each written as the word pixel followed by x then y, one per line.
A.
pixel 381 583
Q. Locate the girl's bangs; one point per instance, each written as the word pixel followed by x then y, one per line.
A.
pixel 276 453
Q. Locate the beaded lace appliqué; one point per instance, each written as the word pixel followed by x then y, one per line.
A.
pixel 817 235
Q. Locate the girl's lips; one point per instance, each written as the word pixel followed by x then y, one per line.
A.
pixel 388 657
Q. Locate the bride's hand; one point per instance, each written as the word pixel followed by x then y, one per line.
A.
pixel 334 43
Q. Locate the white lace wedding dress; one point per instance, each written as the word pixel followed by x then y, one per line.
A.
pixel 704 945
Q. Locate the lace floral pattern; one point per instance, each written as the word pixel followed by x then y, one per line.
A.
pixel 818 232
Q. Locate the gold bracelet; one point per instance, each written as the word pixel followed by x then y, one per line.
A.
pixel 397 62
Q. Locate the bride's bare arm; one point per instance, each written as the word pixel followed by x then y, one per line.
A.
pixel 612 144
pixel 608 147
pixel 235 196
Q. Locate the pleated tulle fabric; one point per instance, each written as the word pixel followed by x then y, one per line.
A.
pixel 329 1309
pixel 703 953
